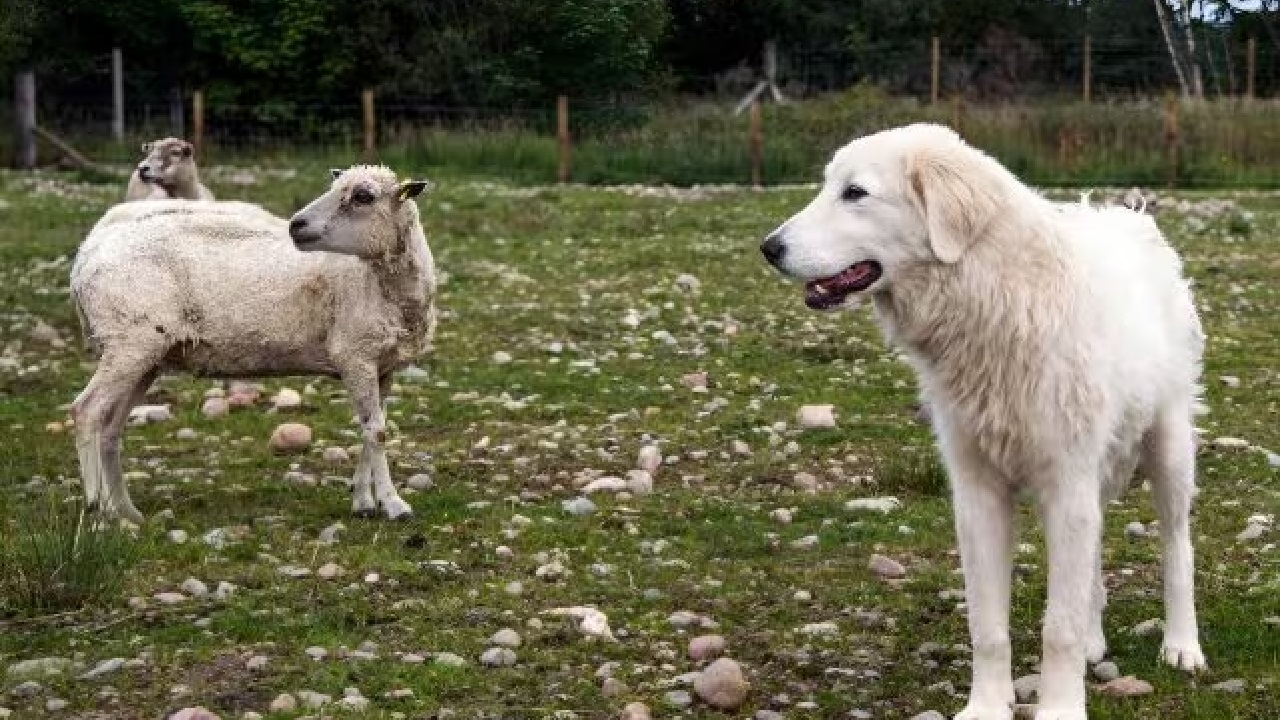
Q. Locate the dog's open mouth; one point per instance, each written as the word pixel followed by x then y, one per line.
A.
pixel 831 292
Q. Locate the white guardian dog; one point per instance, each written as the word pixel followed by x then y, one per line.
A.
pixel 1059 349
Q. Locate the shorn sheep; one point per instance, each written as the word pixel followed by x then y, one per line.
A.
pixel 168 171
pixel 228 290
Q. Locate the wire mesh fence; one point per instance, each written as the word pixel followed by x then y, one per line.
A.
pixel 1092 112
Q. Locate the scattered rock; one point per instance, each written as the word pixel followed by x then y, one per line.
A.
pixel 283 703
pixel 194 587
pixel 1106 671
pixel 40 668
pixel 781 516
pixel 706 647
pixel 215 407
pixel 335 456
pixel 1127 686
pixel 1252 531
pixel 810 417
pixel 290 438
pixel 170 598
pixel 29 688
pixel 329 571
pixel 608 483
pixel 177 536
pixel 885 504
pixel 1235 686
pixel 316 653
pixel 886 567
pixel 649 458
pixel 329 535
pixel 821 629
pixel 694 381
pixel 613 687
pixel 679 699
pixel 805 542
pixel 1135 530
pixel 286 399
pixel 579 506
pixel 1147 627
pixel 313 700
pixel 1229 443
pixel 502 357
pixel 928 715
pixel 54 704
pixel 105 667
pixel 591 622
pixel 722 685
pixel 194 713
pixel 506 637
pixel 257 662
pixel 636 711
pixel 498 657
pixel 421 481
pixel 688 284
pixel 148 414
pixel 448 659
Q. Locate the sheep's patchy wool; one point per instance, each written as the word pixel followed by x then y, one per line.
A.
pixel 221 289
pixel 1058 347
pixel 168 171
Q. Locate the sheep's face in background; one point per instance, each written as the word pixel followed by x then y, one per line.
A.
pixel 362 213
pixel 169 162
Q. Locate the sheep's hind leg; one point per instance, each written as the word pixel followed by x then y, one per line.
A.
pixel 362 502
pixel 100 413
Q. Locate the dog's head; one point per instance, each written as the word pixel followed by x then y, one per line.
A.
pixel 889 202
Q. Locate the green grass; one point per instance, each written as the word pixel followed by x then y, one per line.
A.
pixel 583 259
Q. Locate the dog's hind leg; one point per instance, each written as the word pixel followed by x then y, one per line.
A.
pixel 1169 463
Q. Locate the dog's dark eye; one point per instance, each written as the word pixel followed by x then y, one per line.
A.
pixel 853 193
pixel 362 196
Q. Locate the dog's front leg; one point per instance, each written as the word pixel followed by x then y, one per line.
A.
pixel 1073 526
pixel 985 531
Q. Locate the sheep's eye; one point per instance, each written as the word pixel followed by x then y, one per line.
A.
pixel 853 193
pixel 362 196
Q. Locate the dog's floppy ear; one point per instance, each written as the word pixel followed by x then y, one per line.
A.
pixel 958 200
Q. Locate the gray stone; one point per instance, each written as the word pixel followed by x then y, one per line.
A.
pixel 678 698
pixel 1106 671
pixel 506 637
pixel 579 506
pixel 498 657
pixel 39 667
pixel 103 668
pixel 886 567
pixel 1234 686
pixel 722 685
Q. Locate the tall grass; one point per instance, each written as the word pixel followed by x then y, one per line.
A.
pixel 55 559
pixel 1220 143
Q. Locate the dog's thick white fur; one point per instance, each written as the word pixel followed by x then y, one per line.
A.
pixel 1059 348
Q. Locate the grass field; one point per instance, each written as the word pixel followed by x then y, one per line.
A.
pixel 578 286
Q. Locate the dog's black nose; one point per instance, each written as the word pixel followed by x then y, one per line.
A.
pixel 297 224
pixel 773 249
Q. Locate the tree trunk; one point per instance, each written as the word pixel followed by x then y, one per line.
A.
pixel 1174 57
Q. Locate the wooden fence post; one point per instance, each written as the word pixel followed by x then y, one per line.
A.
pixel 117 95
pixel 370 125
pixel 24 114
pixel 935 68
pixel 755 138
pixel 197 123
pixel 177 113
pixel 1250 65
pixel 1088 68
pixel 1171 139
pixel 562 138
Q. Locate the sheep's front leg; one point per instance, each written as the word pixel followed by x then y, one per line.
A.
pixel 364 387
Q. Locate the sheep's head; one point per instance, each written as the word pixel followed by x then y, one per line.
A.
pixel 367 212
pixel 169 162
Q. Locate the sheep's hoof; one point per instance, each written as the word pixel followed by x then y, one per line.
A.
pixel 397 509
pixel 365 513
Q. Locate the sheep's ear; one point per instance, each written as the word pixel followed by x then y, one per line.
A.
pixel 413 188
pixel 334 173
pixel 953 190
pixel 146 147
pixel 187 149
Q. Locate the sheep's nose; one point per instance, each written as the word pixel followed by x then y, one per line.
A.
pixel 773 249
pixel 297 224
pixel 144 171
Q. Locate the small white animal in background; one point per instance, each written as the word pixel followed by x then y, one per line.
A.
pixel 1058 348
pixel 168 171
pixel 223 289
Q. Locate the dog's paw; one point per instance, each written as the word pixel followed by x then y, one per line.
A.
pixel 1095 648
pixel 976 711
pixel 1045 712
pixel 1185 655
